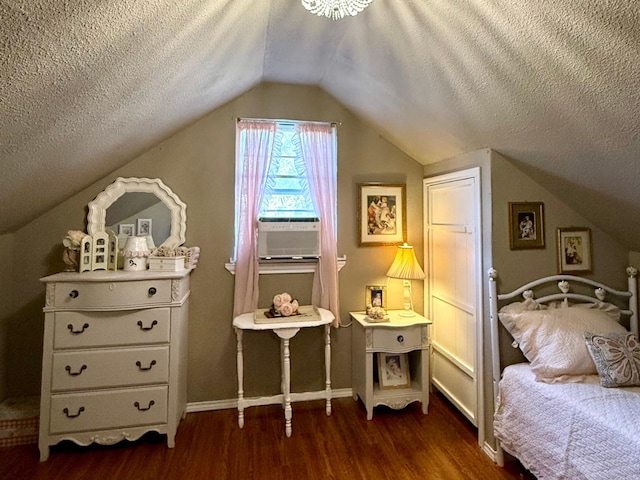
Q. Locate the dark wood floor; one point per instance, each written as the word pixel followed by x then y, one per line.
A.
pixel 398 445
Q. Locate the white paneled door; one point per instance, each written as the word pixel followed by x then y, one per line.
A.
pixel 453 287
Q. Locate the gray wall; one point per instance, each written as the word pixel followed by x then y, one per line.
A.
pixel 198 165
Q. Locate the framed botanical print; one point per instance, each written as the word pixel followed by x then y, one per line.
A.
pixel 382 213
pixel 574 250
pixel 526 225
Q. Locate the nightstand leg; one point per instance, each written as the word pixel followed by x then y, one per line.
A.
pixel 368 403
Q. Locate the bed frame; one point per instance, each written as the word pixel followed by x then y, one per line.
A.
pixel 564 283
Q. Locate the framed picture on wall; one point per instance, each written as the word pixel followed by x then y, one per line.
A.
pixel 574 250
pixel 393 370
pixel 382 213
pixel 126 229
pixel 144 227
pixel 526 225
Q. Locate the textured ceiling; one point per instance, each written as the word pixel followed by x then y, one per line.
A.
pixel 87 85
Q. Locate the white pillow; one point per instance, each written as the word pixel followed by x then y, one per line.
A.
pixel 553 339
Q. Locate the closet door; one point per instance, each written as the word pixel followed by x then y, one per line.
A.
pixel 453 287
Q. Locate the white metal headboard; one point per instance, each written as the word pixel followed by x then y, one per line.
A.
pixel 564 285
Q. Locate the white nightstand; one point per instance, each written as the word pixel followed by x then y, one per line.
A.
pixel 408 335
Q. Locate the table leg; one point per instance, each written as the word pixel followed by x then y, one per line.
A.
pixel 286 371
pixel 327 365
pixel 240 365
pixel 282 375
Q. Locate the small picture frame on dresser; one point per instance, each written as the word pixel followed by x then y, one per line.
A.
pixel 393 370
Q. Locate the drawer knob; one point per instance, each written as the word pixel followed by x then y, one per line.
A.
pixel 152 291
pixel 142 327
pixel 143 369
pixel 400 339
pixel 77 332
pixel 66 412
pixel 142 409
pixel 74 293
pixel 75 374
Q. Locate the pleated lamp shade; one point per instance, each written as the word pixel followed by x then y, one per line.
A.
pixel 405 265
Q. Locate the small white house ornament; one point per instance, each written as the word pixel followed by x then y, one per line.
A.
pixel 136 254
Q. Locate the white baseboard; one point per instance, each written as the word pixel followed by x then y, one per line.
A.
pixel 193 407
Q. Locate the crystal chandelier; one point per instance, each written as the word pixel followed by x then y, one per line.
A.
pixel 335 9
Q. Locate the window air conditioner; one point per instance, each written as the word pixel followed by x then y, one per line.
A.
pixel 288 238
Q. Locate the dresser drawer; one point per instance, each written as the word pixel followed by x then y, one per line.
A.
pixel 108 409
pixel 101 329
pixel 109 368
pixel 397 339
pixel 111 294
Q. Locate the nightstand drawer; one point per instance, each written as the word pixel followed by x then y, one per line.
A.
pixel 397 339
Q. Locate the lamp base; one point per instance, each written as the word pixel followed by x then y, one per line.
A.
pixel 407 304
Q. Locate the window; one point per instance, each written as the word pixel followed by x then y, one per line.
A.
pixel 285 169
pixel 271 168
pixel 286 193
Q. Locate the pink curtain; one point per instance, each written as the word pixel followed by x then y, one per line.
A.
pixel 253 148
pixel 318 144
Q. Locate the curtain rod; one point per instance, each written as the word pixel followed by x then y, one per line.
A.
pixel 239 119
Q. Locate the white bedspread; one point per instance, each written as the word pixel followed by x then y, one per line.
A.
pixel 571 430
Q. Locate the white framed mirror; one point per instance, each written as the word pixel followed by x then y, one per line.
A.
pixel 129 204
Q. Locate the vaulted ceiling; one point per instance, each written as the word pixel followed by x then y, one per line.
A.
pixel 554 85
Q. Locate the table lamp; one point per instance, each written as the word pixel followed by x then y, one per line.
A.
pixel 406 267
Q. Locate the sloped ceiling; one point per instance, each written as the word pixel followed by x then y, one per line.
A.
pixel 87 85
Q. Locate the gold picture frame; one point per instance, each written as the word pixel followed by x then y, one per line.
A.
pixel 526 225
pixel 376 296
pixel 382 214
pixel 574 250
pixel 393 370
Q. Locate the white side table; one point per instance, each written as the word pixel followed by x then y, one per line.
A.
pixel 399 335
pixel 285 331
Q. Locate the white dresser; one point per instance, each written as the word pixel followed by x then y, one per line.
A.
pixel 114 363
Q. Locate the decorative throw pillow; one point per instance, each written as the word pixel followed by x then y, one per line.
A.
pixel 553 339
pixel 617 358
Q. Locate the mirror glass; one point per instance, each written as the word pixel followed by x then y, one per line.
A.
pixel 139 206
pixel 144 213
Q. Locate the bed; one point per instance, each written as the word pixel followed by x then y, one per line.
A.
pixel 570 409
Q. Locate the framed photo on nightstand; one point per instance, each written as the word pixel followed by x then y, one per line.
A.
pixel 393 370
pixel 375 296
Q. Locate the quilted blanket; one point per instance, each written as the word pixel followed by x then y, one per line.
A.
pixel 570 430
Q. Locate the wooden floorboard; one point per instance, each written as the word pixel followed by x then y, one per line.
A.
pixel 396 444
